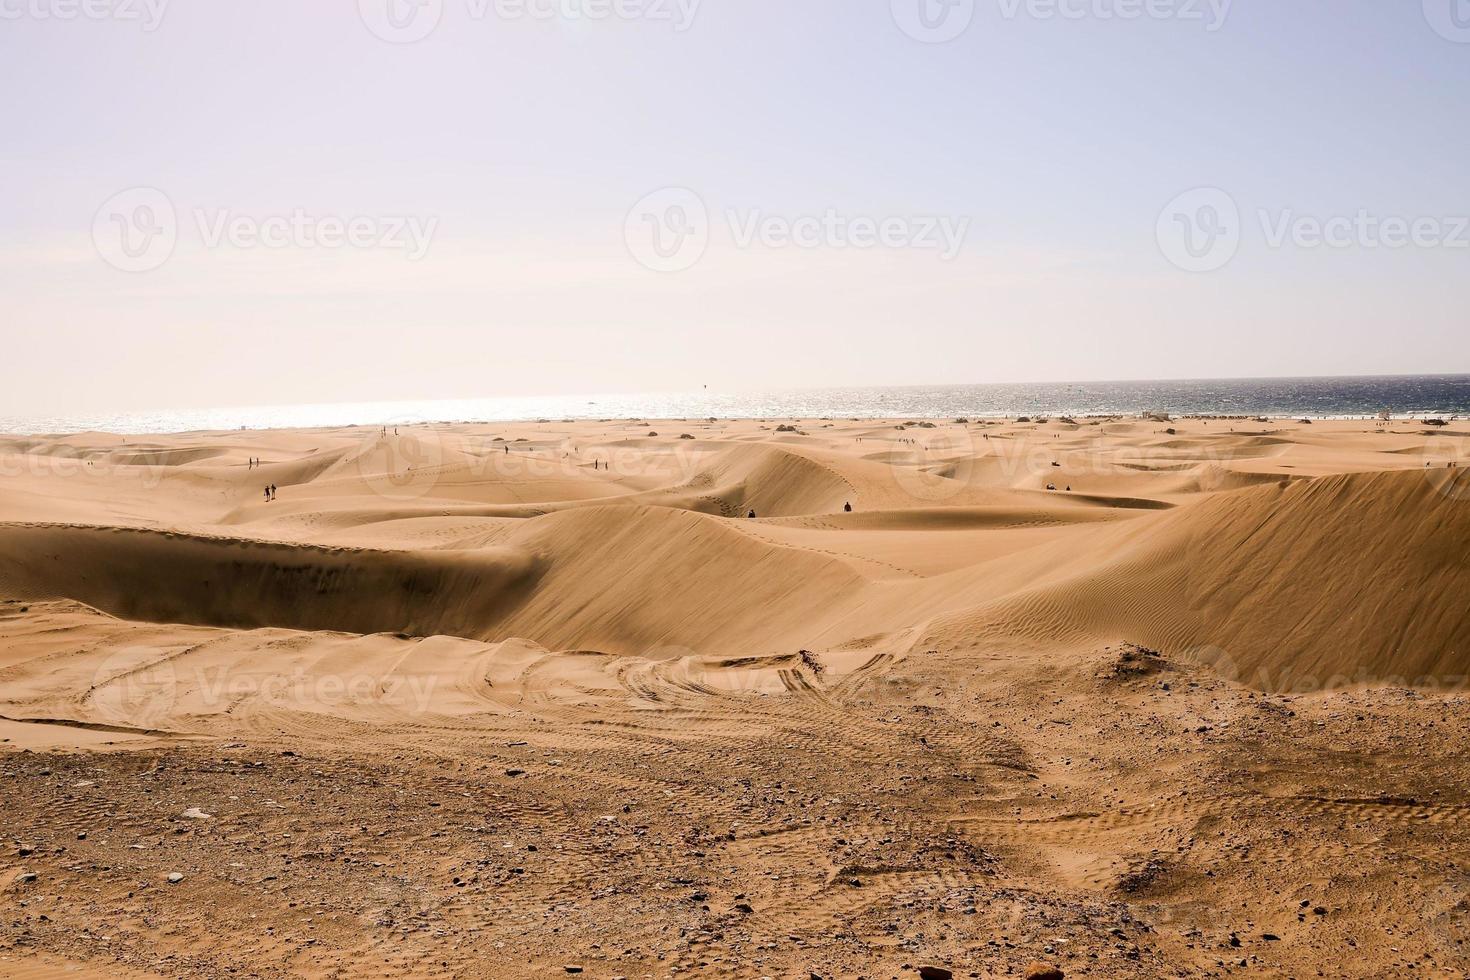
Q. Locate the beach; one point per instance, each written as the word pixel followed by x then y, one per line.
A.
pixel 1122 696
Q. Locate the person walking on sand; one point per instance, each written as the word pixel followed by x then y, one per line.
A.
pixel 847 507
pixel 267 494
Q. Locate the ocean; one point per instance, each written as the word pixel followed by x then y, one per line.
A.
pixel 1405 396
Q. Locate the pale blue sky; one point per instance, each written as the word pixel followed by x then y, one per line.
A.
pixel 526 142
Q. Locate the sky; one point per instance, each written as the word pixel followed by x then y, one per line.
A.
pixel 235 203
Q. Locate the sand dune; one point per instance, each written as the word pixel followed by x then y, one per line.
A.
pixel 164 577
pixel 1133 699
pixel 1332 581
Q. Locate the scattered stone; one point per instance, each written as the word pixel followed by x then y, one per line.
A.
pixel 935 973
pixel 174 878
pixel 1043 971
pixel 25 877
pixel 194 813
pixel 515 772
pixel 572 968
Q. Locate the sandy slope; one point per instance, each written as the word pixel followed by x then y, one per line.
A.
pixel 815 741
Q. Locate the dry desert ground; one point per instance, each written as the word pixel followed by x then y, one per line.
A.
pixel 542 699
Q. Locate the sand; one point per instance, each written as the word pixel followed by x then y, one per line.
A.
pixel 1128 698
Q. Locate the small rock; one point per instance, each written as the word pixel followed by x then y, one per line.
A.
pixel 194 813
pixel 25 877
pixel 515 772
pixel 572 968
pixel 1043 971
pixel 174 878
pixel 935 973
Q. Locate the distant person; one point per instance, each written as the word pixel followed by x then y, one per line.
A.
pixel 751 515
pixel 847 507
pixel 267 494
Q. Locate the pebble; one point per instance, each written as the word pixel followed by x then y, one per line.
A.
pixel 1043 971
pixel 174 878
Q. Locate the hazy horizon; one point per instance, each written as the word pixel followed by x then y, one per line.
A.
pixel 277 204
pixel 746 391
